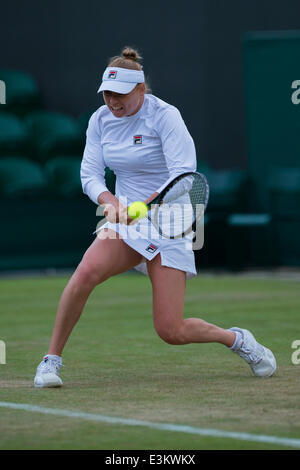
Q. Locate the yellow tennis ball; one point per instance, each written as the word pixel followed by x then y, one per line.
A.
pixel 137 210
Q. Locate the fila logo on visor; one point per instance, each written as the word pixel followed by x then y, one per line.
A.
pixel 112 74
pixel 137 139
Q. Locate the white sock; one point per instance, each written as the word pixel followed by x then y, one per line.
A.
pixel 238 341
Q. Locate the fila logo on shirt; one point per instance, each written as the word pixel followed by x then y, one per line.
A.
pixel 112 74
pixel 137 139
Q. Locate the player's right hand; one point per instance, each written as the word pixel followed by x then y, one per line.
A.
pixel 117 214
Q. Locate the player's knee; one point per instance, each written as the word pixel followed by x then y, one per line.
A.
pixel 170 335
pixel 87 277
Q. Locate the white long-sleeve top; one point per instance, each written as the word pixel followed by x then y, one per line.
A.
pixel 144 150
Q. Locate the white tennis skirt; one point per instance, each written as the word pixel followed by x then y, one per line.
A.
pixel 144 238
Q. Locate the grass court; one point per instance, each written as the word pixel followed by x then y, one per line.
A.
pixel 116 365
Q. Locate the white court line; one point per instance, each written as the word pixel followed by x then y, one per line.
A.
pixel 159 426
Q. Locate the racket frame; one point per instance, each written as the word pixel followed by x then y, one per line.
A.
pixel 158 201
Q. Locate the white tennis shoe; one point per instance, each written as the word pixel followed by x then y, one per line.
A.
pixel 47 372
pixel 260 359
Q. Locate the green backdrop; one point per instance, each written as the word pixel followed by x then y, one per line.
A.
pixel 272 99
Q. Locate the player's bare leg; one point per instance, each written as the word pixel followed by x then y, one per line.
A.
pixel 107 256
pixel 168 302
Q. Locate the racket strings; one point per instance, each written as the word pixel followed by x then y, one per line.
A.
pixel 182 205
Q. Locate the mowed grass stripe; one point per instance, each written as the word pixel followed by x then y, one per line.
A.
pixel 259 438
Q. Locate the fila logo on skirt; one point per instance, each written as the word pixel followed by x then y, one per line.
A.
pixel 151 248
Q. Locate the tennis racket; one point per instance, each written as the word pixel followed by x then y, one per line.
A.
pixel 180 205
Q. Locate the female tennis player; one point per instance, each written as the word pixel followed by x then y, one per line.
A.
pixel 145 142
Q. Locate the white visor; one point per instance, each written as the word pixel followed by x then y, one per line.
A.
pixel 121 80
